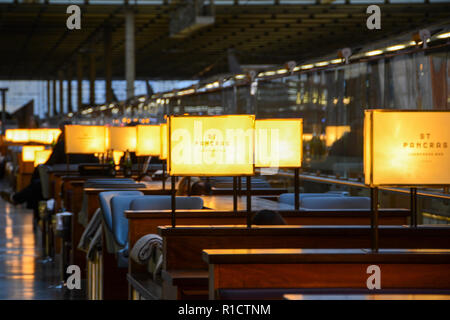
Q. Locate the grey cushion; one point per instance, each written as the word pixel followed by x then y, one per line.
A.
pixel 105 206
pixel 288 198
pixel 165 203
pixel 336 203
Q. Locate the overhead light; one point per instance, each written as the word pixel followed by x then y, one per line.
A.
pixel 240 76
pixel 443 35
pixel 296 68
pixel 374 53
pixel 395 48
pixel 335 61
pixel 261 74
pixel 184 92
pixel 103 108
pixel 70 114
pixel 281 71
pixel 270 73
pixel 141 99
pixel 322 64
pixel 307 66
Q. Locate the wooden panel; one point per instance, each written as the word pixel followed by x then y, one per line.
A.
pixel 183 248
pixel 399 276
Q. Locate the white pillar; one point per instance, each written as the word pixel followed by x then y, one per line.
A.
pixel 129 52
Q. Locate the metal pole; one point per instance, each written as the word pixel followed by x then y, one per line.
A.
pixel 173 202
pixel 297 188
pixel 235 196
pixel 3 90
pixel 129 52
pixel 249 202
pixel 413 207
pixel 164 175
pixel 374 218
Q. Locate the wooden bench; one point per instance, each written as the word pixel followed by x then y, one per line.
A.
pixel 184 271
pixel 235 269
pixel 141 223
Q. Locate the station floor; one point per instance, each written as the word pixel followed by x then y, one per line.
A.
pixel 24 273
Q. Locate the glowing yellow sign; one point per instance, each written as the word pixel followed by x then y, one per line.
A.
pixel 17 135
pixel 44 136
pixel 41 157
pixel 164 141
pixel 85 139
pixel 333 133
pixel 148 140
pixel 122 138
pixel 406 147
pixel 28 152
pixel 278 143
pixel 211 145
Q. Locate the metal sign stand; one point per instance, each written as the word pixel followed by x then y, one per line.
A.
pixel 374 218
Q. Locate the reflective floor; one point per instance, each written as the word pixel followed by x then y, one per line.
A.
pixel 24 274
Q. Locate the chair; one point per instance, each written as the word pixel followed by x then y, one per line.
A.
pixel 112 184
pixel 105 206
pixel 121 203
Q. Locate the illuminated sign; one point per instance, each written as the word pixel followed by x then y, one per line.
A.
pixel 406 147
pixel 148 140
pixel 41 157
pixel 44 136
pixel 122 138
pixel 28 152
pixel 17 135
pixel 85 139
pixel 211 145
pixel 278 143
pixel 164 141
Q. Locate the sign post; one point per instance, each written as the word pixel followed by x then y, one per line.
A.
pixel 406 148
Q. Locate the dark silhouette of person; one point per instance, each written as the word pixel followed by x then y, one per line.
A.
pixel 32 193
pixel 268 217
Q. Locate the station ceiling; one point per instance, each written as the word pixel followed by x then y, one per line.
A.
pixel 35 42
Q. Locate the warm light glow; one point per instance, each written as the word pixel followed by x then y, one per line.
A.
pixel 122 138
pixel 28 152
pixel 335 61
pixel 117 155
pixel 322 64
pixel 374 53
pixel 406 147
pixel 307 66
pixel 333 133
pixel 85 139
pixel 395 48
pixel 41 157
pixel 44 136
pixel 278 143
pixel 211 145
pixel 164 141
pixel 148 140
pixel 17 135
pixel 443 35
